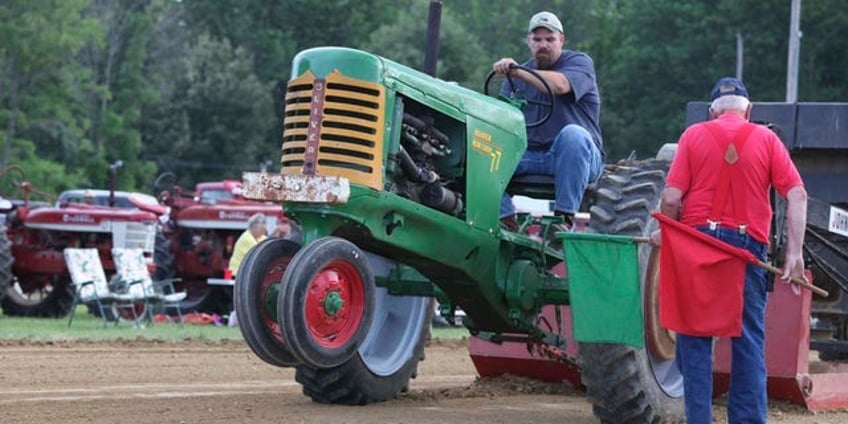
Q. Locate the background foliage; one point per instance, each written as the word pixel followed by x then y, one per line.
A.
pixel 195 86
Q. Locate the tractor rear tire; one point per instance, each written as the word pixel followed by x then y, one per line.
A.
pixel 162 257
pixel 52 302
pixel 627 384
pixel 201 297
pixel 164 260
pixel 386 360
pixel 6 262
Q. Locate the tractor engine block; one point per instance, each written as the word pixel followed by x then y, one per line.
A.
pixel 416 177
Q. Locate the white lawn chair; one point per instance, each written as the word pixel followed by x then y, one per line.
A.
pixel 131 266
pixel 91 286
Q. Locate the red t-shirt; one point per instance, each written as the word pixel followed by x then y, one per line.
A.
pixel 763 161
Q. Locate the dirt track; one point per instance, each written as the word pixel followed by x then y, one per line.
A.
pixel 223 382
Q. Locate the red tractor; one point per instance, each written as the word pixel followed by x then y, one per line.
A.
pixel 35 279
pixel 198 235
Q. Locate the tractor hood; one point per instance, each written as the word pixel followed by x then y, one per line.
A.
pixel 225 216
pixel 83 218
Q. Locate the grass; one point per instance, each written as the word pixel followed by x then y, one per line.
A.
pixel 88 327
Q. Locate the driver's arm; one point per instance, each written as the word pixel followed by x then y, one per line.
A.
pixel 556 80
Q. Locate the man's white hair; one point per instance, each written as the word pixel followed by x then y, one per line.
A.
pixel 729 102
pixel 256 220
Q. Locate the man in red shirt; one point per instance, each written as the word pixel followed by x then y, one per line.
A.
pixel 719 183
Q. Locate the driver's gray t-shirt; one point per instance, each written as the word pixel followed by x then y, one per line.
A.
pixel 581 106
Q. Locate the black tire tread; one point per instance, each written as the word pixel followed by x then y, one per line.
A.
pixel 353 384
pixel 6 262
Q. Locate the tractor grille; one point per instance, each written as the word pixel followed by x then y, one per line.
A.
pixel 134 235
pixel 333 126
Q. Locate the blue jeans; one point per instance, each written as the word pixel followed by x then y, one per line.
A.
pixel 573 159
pixel 747 399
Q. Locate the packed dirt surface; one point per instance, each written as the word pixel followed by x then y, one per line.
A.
pixel 142 381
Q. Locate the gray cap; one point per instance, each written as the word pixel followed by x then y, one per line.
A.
pixel 545 20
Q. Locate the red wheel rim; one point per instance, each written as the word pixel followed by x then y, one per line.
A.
pixel 273 276
pixel 127 313
pixel 335 304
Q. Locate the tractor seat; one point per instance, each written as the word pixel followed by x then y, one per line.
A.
pixel 536 186
pixel 539 186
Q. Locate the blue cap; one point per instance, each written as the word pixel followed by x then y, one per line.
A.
pixel 728 86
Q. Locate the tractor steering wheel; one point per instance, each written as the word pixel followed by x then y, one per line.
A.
pixel 165 185
pixel 547 106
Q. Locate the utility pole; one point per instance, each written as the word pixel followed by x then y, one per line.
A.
pixel 740 56
pixel 792 57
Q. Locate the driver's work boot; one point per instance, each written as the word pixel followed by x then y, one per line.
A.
pixel 561 227
pixel 553 240
pixel 509 223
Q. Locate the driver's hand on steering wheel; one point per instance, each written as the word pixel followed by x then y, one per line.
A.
pixel 504 66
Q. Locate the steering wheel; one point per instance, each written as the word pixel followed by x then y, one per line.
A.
pixel 165 182
pixel 547 106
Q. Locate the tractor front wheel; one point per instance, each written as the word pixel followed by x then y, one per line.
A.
pixel 326 302
pixel 256 291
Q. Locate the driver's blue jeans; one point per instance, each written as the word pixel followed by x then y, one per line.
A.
pixel 573 159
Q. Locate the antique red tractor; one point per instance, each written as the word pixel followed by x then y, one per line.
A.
pixel 36 281
pixel 197 235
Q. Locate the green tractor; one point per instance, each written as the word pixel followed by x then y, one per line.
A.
pixel 395 178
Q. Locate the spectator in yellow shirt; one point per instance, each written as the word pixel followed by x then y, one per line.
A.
pixel 257 229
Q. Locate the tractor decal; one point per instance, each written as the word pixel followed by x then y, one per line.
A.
pixel 313 133
pixel 79 219
pixel 482 143
pixel 334 126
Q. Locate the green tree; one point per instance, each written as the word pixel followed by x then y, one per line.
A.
pixel 824 56
pixel 117 91
pixel 670 54
pixel 222 116
pixel 39 77
pixel 461 57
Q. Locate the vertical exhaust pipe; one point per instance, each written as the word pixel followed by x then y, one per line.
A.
pixel 434 21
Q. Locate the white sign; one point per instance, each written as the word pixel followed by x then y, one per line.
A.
pixel 838 221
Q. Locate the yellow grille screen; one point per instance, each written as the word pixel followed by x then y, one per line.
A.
pixel 334 126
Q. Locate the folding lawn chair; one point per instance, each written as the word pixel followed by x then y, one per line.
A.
pixel 131 266
pixel 91 286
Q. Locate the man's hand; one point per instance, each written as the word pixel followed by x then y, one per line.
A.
pixel 504 66
pixel 656 238
pixel 793 267
pixel 796 224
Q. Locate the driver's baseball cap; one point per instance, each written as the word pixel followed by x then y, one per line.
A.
pixel 545 20
pixel 728 86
